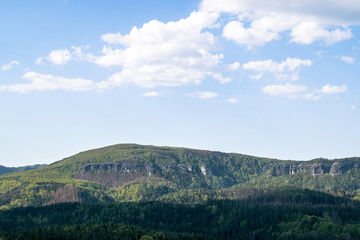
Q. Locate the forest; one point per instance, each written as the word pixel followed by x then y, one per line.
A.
pixel 286 214
pixel 130 191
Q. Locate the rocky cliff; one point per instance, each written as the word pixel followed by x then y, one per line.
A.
pixel 334 168
pixel 117 174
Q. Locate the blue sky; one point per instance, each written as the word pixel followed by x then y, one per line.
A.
pixel 277 79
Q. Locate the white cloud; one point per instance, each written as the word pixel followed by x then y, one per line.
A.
pixel 165 54
pixel 328 89
pixel 234 66
pixel 347 59
pixel 9 65
pixel 151 94
pixel 112 38
pixel 309 32
pixel 353 107
pixel 307 20
pixel 203 95
pixel 63 56
pixel 262 28
pixel 59 56
pixel 46 82
pixel 290 64
pixel 299 91
pixel 231 100
pixel 247 36
pixel 285 70
pixel 288 90
pixel 149 76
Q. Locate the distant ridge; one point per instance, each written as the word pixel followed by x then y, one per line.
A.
pixel 136 173
pixel 4 170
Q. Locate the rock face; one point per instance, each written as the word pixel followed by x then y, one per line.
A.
pixel 113 174
pixel 206 170
pixel 117 174
pixel 116 167
pixel 315 169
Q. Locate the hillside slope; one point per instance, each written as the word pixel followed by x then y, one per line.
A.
pixel 130 172
pixel 4 170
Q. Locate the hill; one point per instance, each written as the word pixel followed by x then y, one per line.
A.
pixel 130 172
pixel 4 170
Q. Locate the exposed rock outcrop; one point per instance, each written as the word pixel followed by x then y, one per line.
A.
pixel 116 167
pixel 117 174
pixel 315 169
pixel 206 170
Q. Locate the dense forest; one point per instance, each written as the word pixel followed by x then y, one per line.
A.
pixel 130 191
pixel 285 214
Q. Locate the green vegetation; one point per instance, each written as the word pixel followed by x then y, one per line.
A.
pixel 130 172
pixel 4 170
pixel 284 214
pixel 130 191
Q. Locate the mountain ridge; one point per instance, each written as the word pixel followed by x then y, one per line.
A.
pixel 132 172
pixel 4 169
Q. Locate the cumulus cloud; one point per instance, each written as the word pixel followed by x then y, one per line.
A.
pixel 328 89
pixel 347 59
pixel 46 82
pixel 308 20
pixel 285 70
pixel 56 57
pixel 309 32
pixel 248 36
pixel 203 95
pixel 151 94
pixel 9 65
pixel 157 54
pixel 63 56
pixel 165 54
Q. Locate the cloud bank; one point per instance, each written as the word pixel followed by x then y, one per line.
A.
pixel 308 21
pixel 47 82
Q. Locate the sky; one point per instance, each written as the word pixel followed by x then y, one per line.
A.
pixel 276 78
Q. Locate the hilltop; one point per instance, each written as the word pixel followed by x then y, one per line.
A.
pixel 130 172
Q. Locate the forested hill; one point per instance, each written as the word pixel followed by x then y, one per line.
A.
pixel 130 172
pixel 4 169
